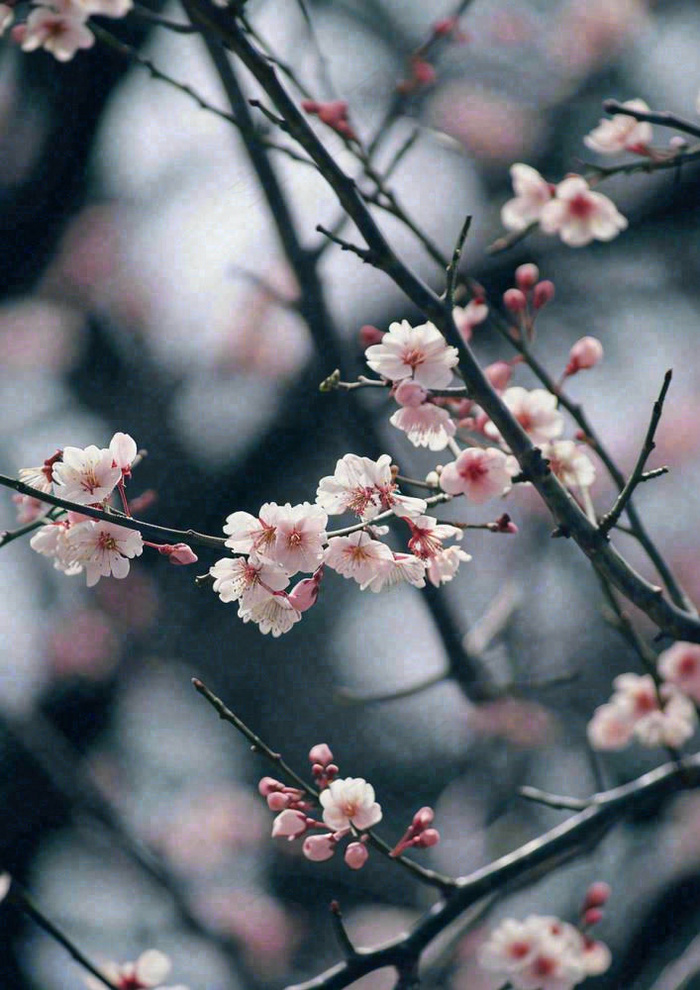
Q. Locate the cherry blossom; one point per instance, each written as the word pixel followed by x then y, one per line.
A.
pixel 478 474
pixel 350 801
pixel 358 556
pixel 86 476
pixel 535 410
pixel 365 487
pixel 300 535
pixel 427 535
pixel 443 566
pixel 663 717
pixel 61 32
pixel 246 532
pixel 587 352
pixel 579 215
pixel 570 463
pixel 319 848
pixel 29 508
pixel 469 316
pixel 124 450
pixel 532 193
pixel 103 549
pixel 680 665
pixel 274 615
pixel 622 133
pixel 420 353
pixel 289 824
pixel 149 971
pixel 250 581
pixel 51 540
pixel 425 425
pixel 38 477
pixel 403 568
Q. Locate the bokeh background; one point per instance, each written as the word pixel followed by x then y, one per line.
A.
pixel 132 225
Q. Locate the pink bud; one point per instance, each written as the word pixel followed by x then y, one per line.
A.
pixel 585 353
pixel 179 553
pixel 318 848
pixel 597 895
pixel 143 501
pixel 310 106
pixel 430 837
pixel 504 524
pixel 304 594
pixel 370 335
pixel 526 276
pixel 320 753
pixel 592 916
pixel 289 823
pixel 499 374
pixel 268 784
pixel 423 817
pixel 444 26
pixel 423 72
pixel 410 393
pixel 514 300
pixel 543 293
pixel 278 801
pixel 463 408
pixel 356 855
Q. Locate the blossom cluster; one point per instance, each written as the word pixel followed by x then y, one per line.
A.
pixel 656 714
pixel 60 27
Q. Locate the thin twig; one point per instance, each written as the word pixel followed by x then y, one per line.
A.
pixel 661 117
pixel 451 278
pixel 364 253
pixel 611 517
pixel 346 696
pixel 553 800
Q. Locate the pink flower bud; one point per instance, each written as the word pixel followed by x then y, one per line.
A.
pixel 514 300
pixel 318 848
pixel 592 916
pixel 410 393
pixel 356 855
pixel 370 335
pixel 504 524
pixel 304 594
pixel 499 374
pixel 423 817
pixel 143 501
pixel 543 293
pixel 289 824
pixel 597 895
pixel 278 801
pixel 430 837
pixel 444 27
pixel 268 784
pixel 526 276
pixel 585 353
pixel 320 753
pixel 179 553
pixel 423 72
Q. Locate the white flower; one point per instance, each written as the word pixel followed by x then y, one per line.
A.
pixel 671 725
pixel 350 801
pixel 52 541
pixel 250 581
pixel 123 450
pixel 37 477
pixel 365 487
pixel 580 216
pixel 680 665
pixel 103 549
pixel 426 425
pixel 149 971
pixel 300 535
pixel 274 615
pixel 85 476
pixel 443 565
pixel 247 533
pixel 420 353
pixel 60 32
pixel 478 474
pixel 535 410
pixel 428 534
pixel 621 133
pixel 357 556
pixel 570 463
pixel 656 718
pixel 532 193
pixel 403 568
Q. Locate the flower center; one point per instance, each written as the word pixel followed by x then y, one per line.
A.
pixel 581 206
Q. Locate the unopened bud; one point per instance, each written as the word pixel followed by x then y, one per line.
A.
pixel 370 335
pixel 318 848
pixel 356 855
pixel 514 300
pixel 179 553
pixel 423 72
pixel 543 293
pixel 268 785
pixel 585 353
pixel 423 817
pixel 410 393
pixel 499 374
pixel 320 753
pixel 278 801
pixel 289 824
pixel 430 837
pixel 597 895
pixel 592 916
pixel 526 276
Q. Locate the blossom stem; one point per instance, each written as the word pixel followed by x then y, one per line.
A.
pixel 661 117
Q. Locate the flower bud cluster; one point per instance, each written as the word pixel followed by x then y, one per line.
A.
pixel 419 833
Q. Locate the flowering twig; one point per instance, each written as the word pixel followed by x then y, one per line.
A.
pixel 611 517
pixel 661 117
pixel 19 898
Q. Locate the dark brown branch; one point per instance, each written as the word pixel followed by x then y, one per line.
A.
pixel 661 117
pixel 451 277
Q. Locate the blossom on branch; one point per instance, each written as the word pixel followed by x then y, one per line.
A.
pixel 532 193
pixel 365 487
pixel 250 581
pixel 350 801
pixel 570 463
pixel 622 133
pixel 478 474
pixel 61 31
pixel 86 476
pixel 51 540
pixel 103 549
pixel 579 215
pixel 661 716
pixel 535 410
pixel 420 353
pixel 274 615
pixel 680 665
pixel 358 556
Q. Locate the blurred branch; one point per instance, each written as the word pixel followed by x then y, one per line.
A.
pixel 661 117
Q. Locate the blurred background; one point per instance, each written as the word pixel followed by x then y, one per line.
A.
pixel 144 290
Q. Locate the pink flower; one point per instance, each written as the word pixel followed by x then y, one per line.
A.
pixel 443 566
pixel 85 476
pixel 357 556
pixel 478 474
pixel 570 463
pixel 29 508
pixel 62 33
pixel 319 848
pixel 274 615
pixel 680 665
pixel 52 541
pixel 427 535
pixel 350 801
pixel 535 410
pixel 149 970
pixel 403 568
pixel 610 728
pixel 304 594
pixel 124 450
pixel 469 316
pixel 356 855
pixel 178 553
pixel 657 718
pixel 420 353
pixel 247 533
pixel 622 133
pixel 300 535
pixel 251 580
pixel 103 549
pixel 365 487
pixel 38 477
pixel 425 425
pixel 532 193
pixel 580 216
pixel 290 824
